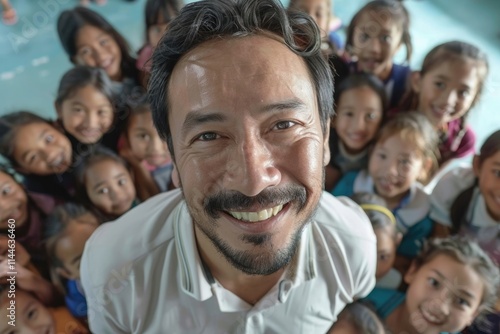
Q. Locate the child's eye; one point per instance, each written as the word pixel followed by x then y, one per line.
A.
pixel 463 93
pixel 77 110
pixel 84 52
pixel 364 37
pixel 208 136
pixel 496 172
pixel 382 156
pixel 284 125
pixel 6 190
pixel 371 116
pixel 433 282
pixel 122 181
pixel 383 257
pixel 439 84
pixel 32 159
pixel 104 41
pixel 103 191
pixel 49 139
pixel 462 302
pixel 386 38
pixel 104 112
pixel 143 136
pixel 32 314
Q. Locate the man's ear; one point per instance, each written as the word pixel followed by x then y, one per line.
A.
pixel 415 79
pixel 326 146
pixel 476 165
pixel 175 177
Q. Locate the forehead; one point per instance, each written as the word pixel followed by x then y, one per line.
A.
pixel 239 73
pixel 89 33
pixel 379 20
pixel 102 169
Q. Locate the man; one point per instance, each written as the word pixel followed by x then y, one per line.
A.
pixel 250 244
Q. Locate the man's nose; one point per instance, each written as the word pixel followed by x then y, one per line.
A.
pixel 250 168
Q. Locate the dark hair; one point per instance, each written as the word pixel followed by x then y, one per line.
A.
pixel 97 154
pixel 165 10
pixel 381 10
pixel 9 124
pixel 54 226
pixel 378 218
pixel 72 20
pixel 363 318
pixel 371 81
pixel 415 128
pixel 460 206
pixel 81 76
pixel 467 252
pixel 441 53
pixel 203 21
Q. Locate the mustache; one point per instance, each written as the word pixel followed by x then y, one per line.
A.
pixel 234 200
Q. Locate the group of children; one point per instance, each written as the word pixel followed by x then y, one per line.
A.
pixel 393 131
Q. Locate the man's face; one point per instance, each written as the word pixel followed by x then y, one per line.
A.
pixel 249 148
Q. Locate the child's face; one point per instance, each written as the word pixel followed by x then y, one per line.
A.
pixel 488 174
pixel 319 10
pixel 447 91
pixel 13 202
pixel 69 247
pixel 145 142
pixel 376 39
pixel 359 114
pixel 31 315
pixel 110 187
pixel 96 48
pixel 87 114
pixel 41 149
pixel 386 251
pixel 443 295
pixel 394 166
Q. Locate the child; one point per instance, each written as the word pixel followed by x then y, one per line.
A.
pixel 450 283
pixel 357 318
pixel 374 36
pixel 466 200
pixel 66 231
pixel 90 40
pixel 15 204
pixel 446 88
pixel 402 155
pixel 31 316
pixel 388 237
pixel 321 12
pixel 159 13
pixel 85 110
pixel 147 147
pixel 40 152
pixel 9 15
pixel 104 184
pixel 360 112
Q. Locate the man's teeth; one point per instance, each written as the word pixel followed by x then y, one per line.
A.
pixel 257 216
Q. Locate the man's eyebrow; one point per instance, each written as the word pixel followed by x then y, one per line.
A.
pixel 197 117
pixel 285 105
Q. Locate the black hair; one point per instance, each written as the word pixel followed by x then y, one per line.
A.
pixel 81 76
pixel 202 21
pixel 9 124
pixel 460 206
pixel 71 21
pixel 381 10
pixel 371 81
pixel 165 10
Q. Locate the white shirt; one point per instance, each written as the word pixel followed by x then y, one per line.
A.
pixel 142 274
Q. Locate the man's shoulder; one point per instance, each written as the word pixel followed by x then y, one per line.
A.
pixel 133 235
pixel 343 217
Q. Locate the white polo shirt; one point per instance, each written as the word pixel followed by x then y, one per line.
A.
pixel 142 274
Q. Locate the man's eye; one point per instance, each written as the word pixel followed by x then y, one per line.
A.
pixel 284 125
pixel 207 136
